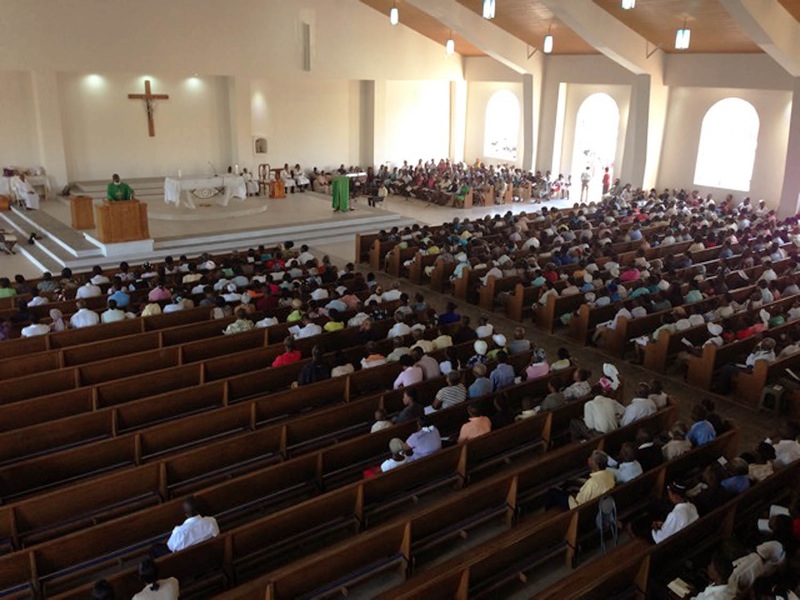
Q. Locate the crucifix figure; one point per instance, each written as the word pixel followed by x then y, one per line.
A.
pixel 148 98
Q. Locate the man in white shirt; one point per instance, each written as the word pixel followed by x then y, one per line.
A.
pixel 305 255
pixel 309 329
pixel 83 317
pixel 719 570
pixel 113 313
pixel 88 290
pixel 392 294
pixel 639 408
pixel 193 530
pixel 602 414
pixel 97 276
pixel 399 329
pixel 787 449
pixel 484 328
pixel 319 293
pixel 35 328
pixel 410 374
pixel 683 514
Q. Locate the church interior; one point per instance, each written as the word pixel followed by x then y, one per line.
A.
pixel 400 299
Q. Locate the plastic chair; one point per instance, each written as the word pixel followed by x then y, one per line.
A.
pixel 607 520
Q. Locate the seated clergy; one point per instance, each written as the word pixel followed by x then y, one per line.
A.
pixel 25 192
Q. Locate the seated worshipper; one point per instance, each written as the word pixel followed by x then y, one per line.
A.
pixel 503 414
pixel 118 190
pixel 373 357
pixel 241 324
pixel 425 440
pixel 35 328
pixel 286 176
pixel 564 360
pixel 499 341
pixel 580 386
pixel 195 529
pixel 761 462
pixel 484 328
pixel 341 365
pixel 737 480
pixel 464 333
pixel 719 571
pixel 628 467
pixel 519 344
pixel 477 425
pixel 528 409
pixel 155 588
pixel 25 192
pixel 481 348
pixel 290 354
pixel 177 305
pixel 503 374
pixel 610 381
pixel 577 492
pixel 442 339
pixel 767 559
pixel 640 407
pixel 701 431
pixel 538 367
pixel 453 393
pixel 600 415
pixel 430 366
pixel 647 452
pixel 482 386
pixel 113 314
pixel 398 455
pixel 400 328
pixel 57 322
pixel 657 394
pixel 314 370
pixel 411 373
pixel 451 361
pixel 787 448
pixel 682 514
pixel 88 290
pixel 308 328
pixel 102 590
pixel 677 444
pixel 400 349
pixel 83 317
pixel 412 410
pixel 381 422
pixel 418 335
pixel 450 315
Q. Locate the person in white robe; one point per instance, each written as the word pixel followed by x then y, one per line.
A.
pixel 25 192
pixel 286 177
pixel 250 183
pixel 300 178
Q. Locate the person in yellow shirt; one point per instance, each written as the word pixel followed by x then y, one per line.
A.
pixel 336 323
pixel 600 481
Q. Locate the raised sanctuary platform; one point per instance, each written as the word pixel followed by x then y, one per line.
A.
pixel 303 218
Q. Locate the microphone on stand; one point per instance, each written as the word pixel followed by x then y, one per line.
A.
pixel 213 168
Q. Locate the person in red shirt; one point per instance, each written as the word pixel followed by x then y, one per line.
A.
pixel 289 356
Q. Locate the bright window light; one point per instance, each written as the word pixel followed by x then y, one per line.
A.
pixel 727 149
pixel 628 4
pixel 489 9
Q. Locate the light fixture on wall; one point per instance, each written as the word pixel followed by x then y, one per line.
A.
pixel 488 9
pixel 683 37
pixel 394 15
pixel 547 46
pixel 628 4
pixel 450 45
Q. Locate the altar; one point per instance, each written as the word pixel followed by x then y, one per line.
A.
pixel 221 187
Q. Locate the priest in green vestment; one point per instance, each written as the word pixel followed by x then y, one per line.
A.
pixel 118 190
pixel 341 194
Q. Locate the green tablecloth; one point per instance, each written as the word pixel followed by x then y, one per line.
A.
pixel 341 194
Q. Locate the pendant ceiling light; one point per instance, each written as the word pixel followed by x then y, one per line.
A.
pixel 394 15
pixel 683 37
pixel 489 7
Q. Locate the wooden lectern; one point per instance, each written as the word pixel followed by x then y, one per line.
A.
pixel 277 189
pixel 122 221
pixel 82 210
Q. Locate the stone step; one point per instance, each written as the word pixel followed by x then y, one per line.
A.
pixel 38 257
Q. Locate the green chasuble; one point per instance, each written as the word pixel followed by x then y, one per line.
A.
pixel 341 194
pixel 119 191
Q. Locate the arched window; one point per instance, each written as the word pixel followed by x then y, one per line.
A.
pixel 727 150
pixel 596 133
pixel 501 130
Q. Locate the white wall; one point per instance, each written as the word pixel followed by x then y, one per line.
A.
pixel 479 93
pixel 416 120
pixel 688 106
pixel 105 132
pixel 307 121
pixel 18 147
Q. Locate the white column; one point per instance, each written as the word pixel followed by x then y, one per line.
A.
pixel 646 120
pixel 379 128
pixel 458 119
pixel 366 124
pixel 241 151
pixel 790 194
pixel 49 129
pixel 528 118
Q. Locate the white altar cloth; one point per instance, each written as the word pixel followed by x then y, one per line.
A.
pixel 232 185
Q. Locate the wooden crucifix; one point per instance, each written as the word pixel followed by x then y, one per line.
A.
pixel 148 98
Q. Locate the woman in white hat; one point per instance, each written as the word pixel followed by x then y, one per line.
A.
pixel 481 348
